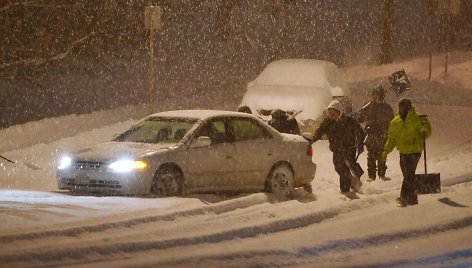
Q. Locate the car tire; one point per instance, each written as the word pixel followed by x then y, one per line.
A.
pixel 168 181
pixel 280 181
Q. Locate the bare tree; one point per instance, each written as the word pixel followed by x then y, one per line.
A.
pixel 37 34
pixel 387 31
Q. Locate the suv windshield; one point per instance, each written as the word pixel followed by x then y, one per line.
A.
pixel 158 130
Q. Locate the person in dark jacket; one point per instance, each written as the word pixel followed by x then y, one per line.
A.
pixel 345 134
pixel 377 115
pixel 407 132
pixel 283 122
pixel 244 109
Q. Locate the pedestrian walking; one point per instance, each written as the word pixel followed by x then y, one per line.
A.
pixel 345 135
pixel 376 115
pixel 407 132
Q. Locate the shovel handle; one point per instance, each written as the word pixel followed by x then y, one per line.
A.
pixel 424 146
pixel 9 160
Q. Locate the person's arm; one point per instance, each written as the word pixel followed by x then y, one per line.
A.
pixel 361 114
pixel 391 139
pixel 425 126
pixel 321 130
pixel 360 133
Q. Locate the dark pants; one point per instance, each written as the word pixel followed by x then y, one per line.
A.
pixel 408 163
pixel 339 161
pixel 375 163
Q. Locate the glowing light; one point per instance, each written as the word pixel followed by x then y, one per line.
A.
pixel 65 162
pixel 122 166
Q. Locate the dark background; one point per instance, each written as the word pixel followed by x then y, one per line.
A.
pixel 61 57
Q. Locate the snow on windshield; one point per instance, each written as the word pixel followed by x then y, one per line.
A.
pixel 158 130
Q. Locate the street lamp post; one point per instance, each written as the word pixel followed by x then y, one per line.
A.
pixel 152 22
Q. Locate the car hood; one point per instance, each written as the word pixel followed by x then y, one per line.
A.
pixel 115 150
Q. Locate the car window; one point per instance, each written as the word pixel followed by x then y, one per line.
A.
pixel 216 130
pixel 158 130
pixel 248 129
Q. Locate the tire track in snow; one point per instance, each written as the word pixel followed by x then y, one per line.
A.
pixel 463 256
pixel 335 246
pixel 223 207
pixel 78 253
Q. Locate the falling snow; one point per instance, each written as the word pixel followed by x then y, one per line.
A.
pixel 75 73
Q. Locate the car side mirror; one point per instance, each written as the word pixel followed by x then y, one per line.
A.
pixel 202 141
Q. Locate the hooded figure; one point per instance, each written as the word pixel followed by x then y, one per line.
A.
pixel 407 132
pixel 377 115
pixel 244 109
pixel 345 134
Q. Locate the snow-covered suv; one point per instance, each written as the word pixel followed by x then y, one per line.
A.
pixel 303 86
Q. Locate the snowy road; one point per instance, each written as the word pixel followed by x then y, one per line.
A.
pixel 42 227
pixel 248 230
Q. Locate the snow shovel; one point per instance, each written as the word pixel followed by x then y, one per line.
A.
pixel 356 172
pixel 427 183
pixel 399 82
pixel 355 167
pixel 29 165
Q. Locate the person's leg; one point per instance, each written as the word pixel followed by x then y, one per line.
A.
pixel 371 165
pixel 382 165
pixel 408 163
pixel 342 170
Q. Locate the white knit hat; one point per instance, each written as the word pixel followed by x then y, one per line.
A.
pixel 336 105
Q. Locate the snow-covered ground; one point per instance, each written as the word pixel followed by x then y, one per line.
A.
pixel 41 226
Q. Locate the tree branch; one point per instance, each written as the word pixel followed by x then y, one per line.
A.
pixel 19 3
pixel 41 61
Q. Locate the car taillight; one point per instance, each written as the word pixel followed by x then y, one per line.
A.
pixel 309 150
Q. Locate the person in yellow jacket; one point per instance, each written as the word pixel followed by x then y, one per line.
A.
pixel 407 132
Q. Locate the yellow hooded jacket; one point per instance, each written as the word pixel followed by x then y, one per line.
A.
pixel 407 135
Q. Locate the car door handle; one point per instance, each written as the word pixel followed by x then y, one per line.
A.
pixel 269 154
pixel 228 156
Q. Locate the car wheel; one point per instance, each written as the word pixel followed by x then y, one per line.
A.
pixel 168 181
pixel 280 181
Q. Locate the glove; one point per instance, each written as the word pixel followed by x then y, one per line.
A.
pixel 424 129
pixel 384 156
pixel 360 149
pixel 308 138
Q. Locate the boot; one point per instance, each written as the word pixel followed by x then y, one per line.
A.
pixel 400 202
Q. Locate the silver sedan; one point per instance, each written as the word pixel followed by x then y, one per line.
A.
pixel 180 152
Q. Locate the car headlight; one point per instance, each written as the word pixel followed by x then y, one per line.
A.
pixel 121 166
pixel 65 162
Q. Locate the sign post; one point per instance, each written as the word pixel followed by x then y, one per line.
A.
pixel 152 22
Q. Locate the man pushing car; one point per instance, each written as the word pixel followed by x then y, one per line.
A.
pixel 345 134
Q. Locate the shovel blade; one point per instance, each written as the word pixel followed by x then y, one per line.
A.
pixel 355 168
pixel 428 183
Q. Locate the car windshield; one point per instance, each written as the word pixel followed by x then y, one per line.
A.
pixel 158 130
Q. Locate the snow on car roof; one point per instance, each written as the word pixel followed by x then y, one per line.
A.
pixel 198 114
pixel 297 72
